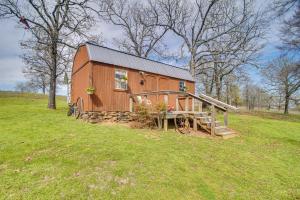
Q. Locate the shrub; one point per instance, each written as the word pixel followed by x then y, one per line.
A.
pixel 161 107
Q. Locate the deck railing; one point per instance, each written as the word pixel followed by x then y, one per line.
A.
pixel 202 98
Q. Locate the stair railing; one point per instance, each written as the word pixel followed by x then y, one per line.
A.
pixel 202 98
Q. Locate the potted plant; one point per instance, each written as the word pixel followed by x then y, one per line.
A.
pixel 90 90
pixel 124 78
pixel 186 89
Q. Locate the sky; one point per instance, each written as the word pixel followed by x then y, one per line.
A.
pixel 11 64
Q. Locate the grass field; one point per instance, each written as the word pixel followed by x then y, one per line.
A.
pixel 46 155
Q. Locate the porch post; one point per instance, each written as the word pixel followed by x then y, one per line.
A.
pixel 130 104
pixel 195 123
pixel 200 106
pixel 177 103
pixel 193 104
pixel 166 99
pixel 187 104
pixel 165 123
pixel 213 115
pixel 226 118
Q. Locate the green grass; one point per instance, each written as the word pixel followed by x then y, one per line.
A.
pixel 46 155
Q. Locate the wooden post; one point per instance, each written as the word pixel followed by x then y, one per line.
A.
pixel 159 120
pixel 200 106
pixel 165 124
pixel 195 123
pixel 226 118
pixel 213 115
pixel 130 104
pixel 193 104
pixel 177 104
pixel 186 104
pixel 166 99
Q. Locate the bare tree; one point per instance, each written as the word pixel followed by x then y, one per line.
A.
pixel 52 24
pixel 290 32
pixel 196 21
pixel 141 38
pixel 232 51
pixel 38 81
pixel 25 87
pixel 284 6
pixel 283 75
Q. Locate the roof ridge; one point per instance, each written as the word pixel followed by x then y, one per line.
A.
pixel 91 43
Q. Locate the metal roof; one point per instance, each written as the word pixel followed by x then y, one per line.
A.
pixel 114 57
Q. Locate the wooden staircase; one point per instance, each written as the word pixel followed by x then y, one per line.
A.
pixel 204 121
pixel 200 119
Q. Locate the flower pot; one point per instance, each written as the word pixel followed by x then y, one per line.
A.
pixel 90 92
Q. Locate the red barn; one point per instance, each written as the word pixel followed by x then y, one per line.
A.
pixel 115 76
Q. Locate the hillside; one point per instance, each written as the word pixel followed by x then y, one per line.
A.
pixel 44 155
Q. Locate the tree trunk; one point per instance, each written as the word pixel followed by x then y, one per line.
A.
pixel 44 89
pixel 218 87
pixel 52 88
pixel 279 103
pixel 211 84
pixel 52 92
pixel 227 94
pixel 286 104
pixel 193 62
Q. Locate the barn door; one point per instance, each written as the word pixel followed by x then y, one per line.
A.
pixel 162 85
pixel 150 83
pixel 150 86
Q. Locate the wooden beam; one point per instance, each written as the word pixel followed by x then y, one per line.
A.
pixel 177 104
pixel 193 104
pixel 165 124
pixel 226 118
pixel 195 123
pixel 166 99
pixel 159 120
pixel 200 106
pixel 213 123
pixel 130 104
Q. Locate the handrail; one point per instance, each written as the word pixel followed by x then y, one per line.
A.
pixel 215 101
pixel 159 92
pixel 202 97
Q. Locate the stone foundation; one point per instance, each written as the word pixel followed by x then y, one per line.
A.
pixel 108 116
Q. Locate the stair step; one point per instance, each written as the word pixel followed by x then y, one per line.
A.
pixel 218 123
pixel 226 135
pixel 220 129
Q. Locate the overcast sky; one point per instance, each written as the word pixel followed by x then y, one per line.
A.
pixel 11 64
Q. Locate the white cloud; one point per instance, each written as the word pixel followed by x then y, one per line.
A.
pixel 10 63
pixel 10 72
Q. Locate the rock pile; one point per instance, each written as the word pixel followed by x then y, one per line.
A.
pixel 96 117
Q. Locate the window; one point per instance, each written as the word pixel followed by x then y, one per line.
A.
pixel 182 86
pixel 121 79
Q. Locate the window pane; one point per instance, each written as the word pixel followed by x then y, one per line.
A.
pixel 181 85
pixel 121 79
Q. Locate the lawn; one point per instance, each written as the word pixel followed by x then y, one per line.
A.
pixel 46 155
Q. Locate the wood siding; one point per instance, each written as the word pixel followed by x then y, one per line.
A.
pixel 107 98
pixel 80 77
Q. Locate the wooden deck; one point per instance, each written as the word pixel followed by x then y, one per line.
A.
pixel 203 120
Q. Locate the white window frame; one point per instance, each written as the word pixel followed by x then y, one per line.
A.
pixel 182 89
pixel 119 82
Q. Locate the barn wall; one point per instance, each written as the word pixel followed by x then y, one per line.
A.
pixel 107 98
pixel 81 59
pixel 80 77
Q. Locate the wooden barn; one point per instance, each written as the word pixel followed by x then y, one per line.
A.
pixel 116 75
pixel 108 83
